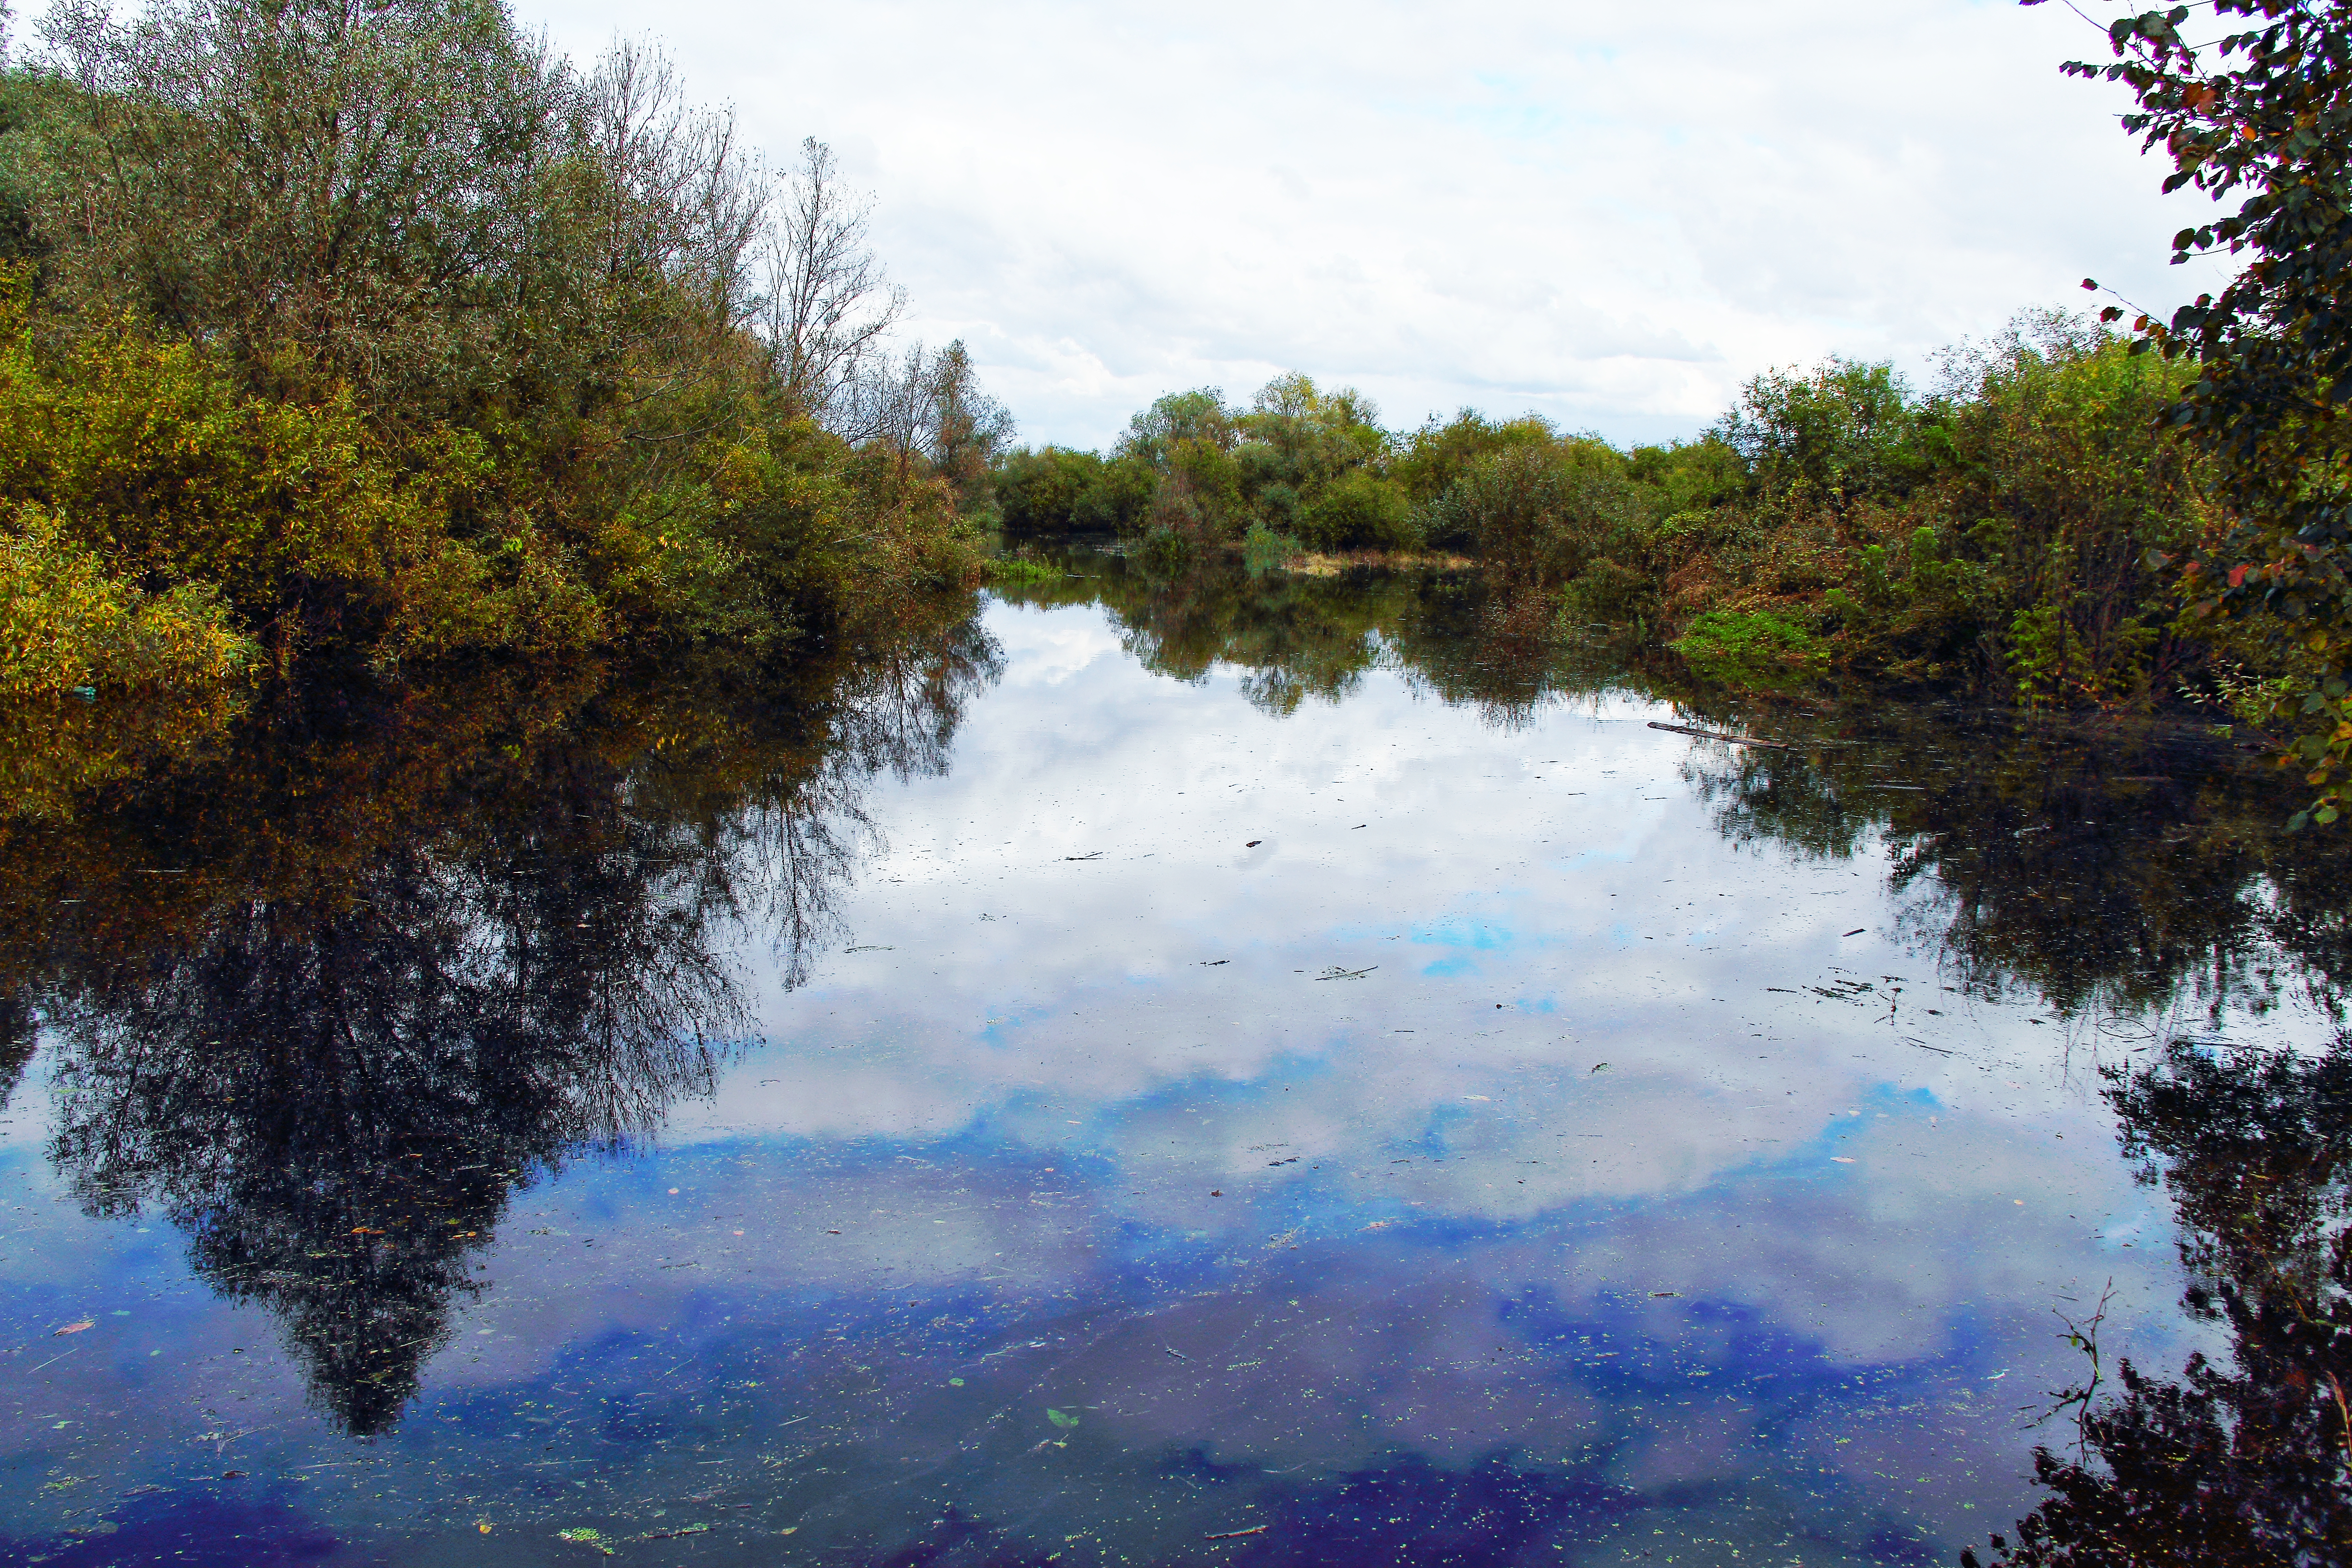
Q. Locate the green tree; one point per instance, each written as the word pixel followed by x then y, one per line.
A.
pixel 400 334
pixel 1843 430
pixel 1429 461
pixel 2261 120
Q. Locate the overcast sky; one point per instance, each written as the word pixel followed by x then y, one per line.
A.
pixel 1613 213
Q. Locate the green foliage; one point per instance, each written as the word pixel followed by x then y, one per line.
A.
pixel 1841 430
pixel 1039 491
pixel 1308 461
pixel 2005 542
pixel 384 330
pixel 1264 550
pixel 1996 534
pixel 1434 456
pixel 1298 461
pixel 66 624
pixel 2260 119
pixel 1359 510
pixel 1752 648
pixel 1200 491
pixel 1199 416
pixel 1022 571
pixel 1543 516
pixel 300 518
pixel 1690 477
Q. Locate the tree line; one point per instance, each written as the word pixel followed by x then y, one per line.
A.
pixel 1991 532
pixel 388 331
pixel 2075 513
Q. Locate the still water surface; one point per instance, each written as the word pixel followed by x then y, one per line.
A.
pixel 1210 1073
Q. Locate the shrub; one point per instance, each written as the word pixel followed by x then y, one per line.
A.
pixel 1752 648
pixel 1359 510
pixel 1264 549
pixel 66 624
pixel 1040 491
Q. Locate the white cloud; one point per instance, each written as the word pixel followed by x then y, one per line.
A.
pixel 1611 214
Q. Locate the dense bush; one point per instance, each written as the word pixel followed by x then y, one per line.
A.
pixel 384 329
pixel 1996 534
pixel 2001 533
pixel 69 626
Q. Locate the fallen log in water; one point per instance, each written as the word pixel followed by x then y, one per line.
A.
pixel 1713 735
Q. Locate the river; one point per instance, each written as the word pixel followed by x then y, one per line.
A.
pixel 1210 1070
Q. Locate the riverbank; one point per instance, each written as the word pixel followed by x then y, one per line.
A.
pixel 2001 536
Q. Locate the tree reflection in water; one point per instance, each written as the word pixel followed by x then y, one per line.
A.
pixel 415 948
pixel 2246 1460
pixel 1291 636
pixel 2107 866
pixel 2110 867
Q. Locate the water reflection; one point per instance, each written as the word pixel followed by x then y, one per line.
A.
pixel 2110 867
pixel 421 947
pixel 1317 1080
pixel 2245 1458
pixel 1294 637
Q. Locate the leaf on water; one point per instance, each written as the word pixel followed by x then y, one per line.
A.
pixel 75 1327
pixel 1599 1066
pixel 1061 1418
pixel 580 1535
pixel 1842 1159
